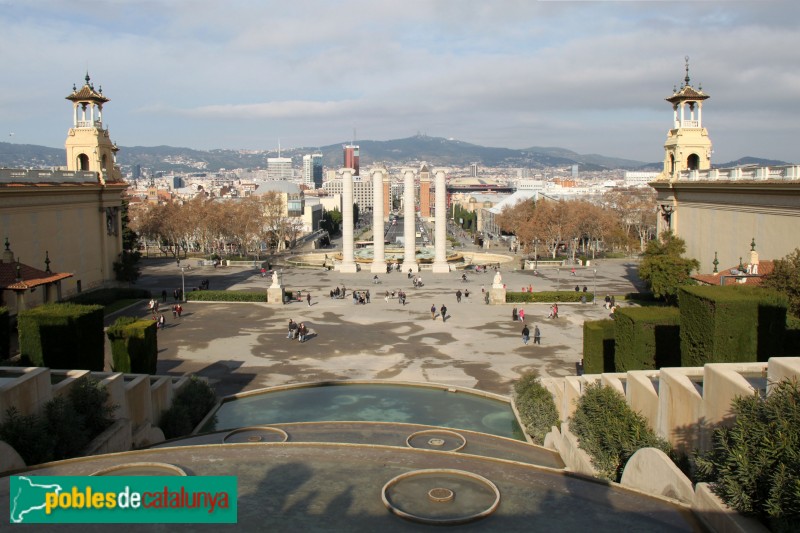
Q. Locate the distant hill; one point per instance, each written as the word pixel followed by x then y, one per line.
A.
pixel 411 150
pixel 745 161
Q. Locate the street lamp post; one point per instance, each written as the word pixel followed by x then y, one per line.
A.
pixel 183 285
pixel 594 298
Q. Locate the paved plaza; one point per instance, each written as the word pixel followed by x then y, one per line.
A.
pixel 243 346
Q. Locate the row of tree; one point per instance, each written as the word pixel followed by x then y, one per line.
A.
pixel 211 225
pixel 625 218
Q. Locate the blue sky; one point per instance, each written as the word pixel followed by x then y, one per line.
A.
pixel 589 76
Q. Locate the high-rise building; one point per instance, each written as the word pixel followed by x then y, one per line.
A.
pixel 473 170
pixel 351 158
pixel 312 170
pixel 279 168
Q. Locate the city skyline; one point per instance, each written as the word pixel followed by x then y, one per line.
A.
pixel 586 76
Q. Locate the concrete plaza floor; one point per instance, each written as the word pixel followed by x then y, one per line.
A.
pixel 243 346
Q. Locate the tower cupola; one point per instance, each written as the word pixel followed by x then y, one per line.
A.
pixel 688 146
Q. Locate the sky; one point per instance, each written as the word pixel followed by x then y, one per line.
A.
pixel 589 76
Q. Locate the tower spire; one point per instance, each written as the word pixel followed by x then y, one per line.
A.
pixel 686 79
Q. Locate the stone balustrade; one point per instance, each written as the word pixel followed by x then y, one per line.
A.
pixel 777 173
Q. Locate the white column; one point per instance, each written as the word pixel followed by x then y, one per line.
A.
pixel 440 265
pixel 409 224
pixel 348 260
pixel 75 116
pixel 699 114
pixel 682 108
pixel 378 256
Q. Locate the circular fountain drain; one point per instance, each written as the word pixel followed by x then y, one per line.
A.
pixel 419 496
pixel 255 434
pixel 441 495
pixel 141 469
pixel 437 439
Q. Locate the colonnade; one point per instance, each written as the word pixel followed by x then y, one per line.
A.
pixel 379 177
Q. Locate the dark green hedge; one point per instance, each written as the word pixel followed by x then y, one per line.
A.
pixel 726 324
pixel 109 296
pixel 547 296
pixel 598 346
pixel 5 334
pixel 134 345
pixel 62 336
pixel 226 296
pixel 647 338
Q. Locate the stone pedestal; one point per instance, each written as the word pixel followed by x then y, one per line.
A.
pixel 497 296
pixel 275 295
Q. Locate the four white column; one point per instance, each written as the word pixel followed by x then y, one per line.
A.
pixel 440 265
pixel 379 255
pixel 348 259
pixel 409 224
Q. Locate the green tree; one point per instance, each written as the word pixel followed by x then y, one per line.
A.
pixel 665 269
pixel 127 268
pixel 785 278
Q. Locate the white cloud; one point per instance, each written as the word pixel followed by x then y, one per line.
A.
pixel 589 76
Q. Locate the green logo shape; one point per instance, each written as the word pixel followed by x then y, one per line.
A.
pixel 123 500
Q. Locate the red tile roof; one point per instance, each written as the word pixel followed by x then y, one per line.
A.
pixel 30 277
pixel 764 268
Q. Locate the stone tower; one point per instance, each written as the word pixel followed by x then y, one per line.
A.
pixel 688 146
pixel 88 145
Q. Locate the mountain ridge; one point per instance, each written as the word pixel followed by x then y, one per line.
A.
pixel 409 150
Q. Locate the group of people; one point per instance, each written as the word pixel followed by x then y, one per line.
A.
pixel 518 315
pixel 297 331
pixel 417 282
pixel 177 310
pixel 442 311
pixel 338 293
pixel 553 311
pixel 526 335
pixel 361 297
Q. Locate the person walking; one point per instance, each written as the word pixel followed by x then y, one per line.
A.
pixel 458 296
pixel 521 315
pixel 537 335
pixel 366 295
pixel 179 307
pixel 433 311
pixel 443 311
pixel 292 328
pixel 514 314
pixel 386 297
pixel 162 322
pixel 164 295
pixel 175 311
pixel 308 299
pixel 526 334
pixel 466 294
pixel 302 331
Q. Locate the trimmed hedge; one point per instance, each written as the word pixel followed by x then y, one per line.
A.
pixel 598 346
pixel 62 335
pixel 727 324
pixel 226 296
pixel 134 345
pixel 109 296
pixel 610 431
pixel 536 407
pixel 547 296
pixel 647 338
pixel 5 334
